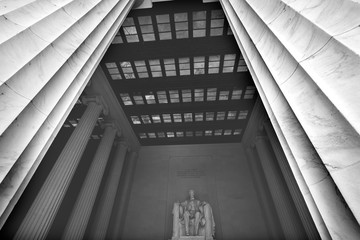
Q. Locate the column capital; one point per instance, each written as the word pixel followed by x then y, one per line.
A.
pixel 122 143
pixel 97 99
pixel 111 124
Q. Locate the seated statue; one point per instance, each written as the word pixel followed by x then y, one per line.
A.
pixel 193 218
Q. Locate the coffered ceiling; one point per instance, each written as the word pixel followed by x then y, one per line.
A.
pixel 179 75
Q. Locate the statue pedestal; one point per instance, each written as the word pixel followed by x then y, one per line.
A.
pixel 192 238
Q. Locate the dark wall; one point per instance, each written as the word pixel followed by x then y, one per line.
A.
pixel 220 175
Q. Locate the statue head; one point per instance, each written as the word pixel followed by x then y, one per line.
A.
pixel 192 194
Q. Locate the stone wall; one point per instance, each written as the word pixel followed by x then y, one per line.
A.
pixel 220 175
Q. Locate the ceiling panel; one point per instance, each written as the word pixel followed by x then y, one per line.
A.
pixel 179 75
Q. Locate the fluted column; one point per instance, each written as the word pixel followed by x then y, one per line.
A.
pixel 49 51
pixel 102 218
pixel 307 84
pixel 124 195
pixel 282 202
pixel 294 190
pixel 80 215
pixel 42 212
pixel 270 217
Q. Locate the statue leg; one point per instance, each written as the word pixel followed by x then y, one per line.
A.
pixel 209 224
pixel 176 230
pixel 197 221
pixel 187 222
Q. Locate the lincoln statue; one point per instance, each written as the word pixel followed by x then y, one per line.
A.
pixel 193 217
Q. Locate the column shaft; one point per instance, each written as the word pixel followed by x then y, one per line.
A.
pixel 258 46
pixel 123 196
pixel 294 190
pixel 41 214
pixel 270 217
pixel 286 213
pixel 102 218
pixel 80 215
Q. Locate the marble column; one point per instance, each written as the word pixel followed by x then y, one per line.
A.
pixel 49 51
pixel 123 196
pixel 102 218
pixel 79 218
pixel 267 205
pixel 308 86
pixel 43 210
pixel 287 214
pixel 298 199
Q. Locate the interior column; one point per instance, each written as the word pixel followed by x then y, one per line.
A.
pixel 102 218
pixel 42 212
pixel 124 195
pixel 302 63
pixel 80 215
pixel 287 214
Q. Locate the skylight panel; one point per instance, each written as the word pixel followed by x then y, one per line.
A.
pixel 227 132
pixel 141 69
pixel 146 119
pixel 189 133
pixel 163 24
pixel 135 120
pixel 186 95
pixel 224 95
pixel 199 95
pixel 138 99
pixel 218 132
pixel 237 131
pixel 127 70
pixel 162 97
pixel 146 28
pixel 199 24
pixel 184 66
pixel 243 114
pixel 125 97
pixel 210 116
pixel 151 135
pixel 236 94
pixel 249 92
pixel 161 134
pixel 214 63
pixel 179 134
pixel 198 133
pixel 166 118
pixel 211 94
pixel 217 23
pixel 170 68
pixel 174 96
pixel 129 30
pixel 199 117
pixel 220 116
pixel 150 98
pixel 113 70
pixel 156 118
pixel 242 65
pixel 155 68
pixel 142 135
pixel 177 118
pixel 231 115
pixel 181 25
pixel 208 133
pixel 229 62
pixel 188 117
pixel 199 65
pixel 170 134
pixel 117 39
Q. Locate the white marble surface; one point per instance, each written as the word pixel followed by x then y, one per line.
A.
pixel 321 90
pixel 304 152
pixel 25 142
